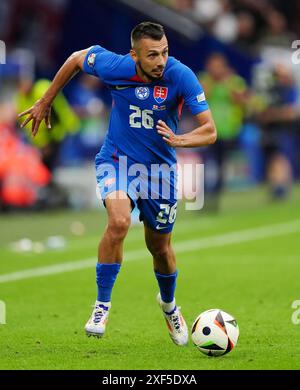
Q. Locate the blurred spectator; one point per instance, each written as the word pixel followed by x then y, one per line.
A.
pixel 281 125
pixel 184 6
pixel 276 32
pixel 226 93
pixel 247 35
pixel 226 26
pixel 22 173
pixel 291 11
pixel 181 6
pixel 63 119
pixel 36 25
pixel 87 103
pixel 244 23
pixel 207 11
pixel 4 16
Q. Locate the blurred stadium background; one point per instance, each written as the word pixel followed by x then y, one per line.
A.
pixel 244 52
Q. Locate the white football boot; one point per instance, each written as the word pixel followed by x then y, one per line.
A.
pixel 176 324
pixel 97 323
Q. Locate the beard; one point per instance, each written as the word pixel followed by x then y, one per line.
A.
pixel 148 75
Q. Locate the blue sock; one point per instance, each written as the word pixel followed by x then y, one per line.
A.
pixel 167 285
pixel 106 275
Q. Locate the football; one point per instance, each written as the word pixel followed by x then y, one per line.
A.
pixel 215 332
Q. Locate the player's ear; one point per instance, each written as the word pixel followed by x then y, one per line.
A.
pixel 133 55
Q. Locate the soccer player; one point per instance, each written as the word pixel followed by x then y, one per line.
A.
pixel 148 89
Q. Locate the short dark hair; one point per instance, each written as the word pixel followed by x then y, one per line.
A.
pixel 147 30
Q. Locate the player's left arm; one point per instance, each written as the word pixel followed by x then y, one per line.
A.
pixel 205 134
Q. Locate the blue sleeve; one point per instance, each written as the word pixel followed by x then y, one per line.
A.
pixel 192 92
pixel 101 62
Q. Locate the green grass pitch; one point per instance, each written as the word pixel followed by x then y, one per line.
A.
pixel 244 260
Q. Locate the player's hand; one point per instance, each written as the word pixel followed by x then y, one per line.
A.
pixel 40 111
pixel 168 136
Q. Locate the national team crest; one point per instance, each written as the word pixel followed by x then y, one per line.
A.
pixel 91 60
pixel 142 93
pixel 160 94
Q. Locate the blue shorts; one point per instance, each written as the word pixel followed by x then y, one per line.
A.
pixel 152 190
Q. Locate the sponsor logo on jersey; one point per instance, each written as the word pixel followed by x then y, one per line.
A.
pixel 160 94
pixel 120 88
pixel 158 227
pixel 159 108
pixel 142 93
pixel 201 98
pixel 91 60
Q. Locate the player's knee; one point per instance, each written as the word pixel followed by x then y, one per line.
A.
pixel 159 251
pixel 118 227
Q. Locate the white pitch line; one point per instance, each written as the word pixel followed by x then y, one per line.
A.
pixel 235 237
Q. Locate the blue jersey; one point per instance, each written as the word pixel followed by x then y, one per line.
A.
pixel 137 105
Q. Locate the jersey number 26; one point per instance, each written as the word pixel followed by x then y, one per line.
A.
pixel 141 118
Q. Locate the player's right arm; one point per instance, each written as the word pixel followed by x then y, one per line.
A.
pixel 41 110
